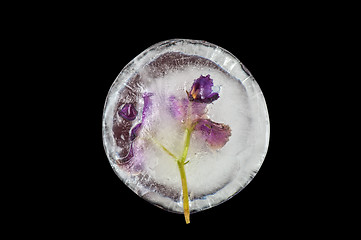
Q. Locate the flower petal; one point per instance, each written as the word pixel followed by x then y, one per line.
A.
pixel 215 134
pixel 201 90
pixel 178 108
pixel 128 112
pixel 198 109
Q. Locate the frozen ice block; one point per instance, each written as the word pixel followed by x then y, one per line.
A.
pixel 185 125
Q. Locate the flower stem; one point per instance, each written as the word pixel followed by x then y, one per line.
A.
pixel 185 191
pixel 181 163
pixel 187 141
pixel 164 148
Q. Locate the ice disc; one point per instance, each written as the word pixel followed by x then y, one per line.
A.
pixel 185 104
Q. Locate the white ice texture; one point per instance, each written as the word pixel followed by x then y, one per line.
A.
pixel 213 176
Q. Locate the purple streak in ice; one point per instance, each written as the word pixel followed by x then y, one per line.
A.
pixel 134 132
pixel 147 104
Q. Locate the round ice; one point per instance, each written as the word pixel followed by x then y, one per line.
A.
pixel 139 158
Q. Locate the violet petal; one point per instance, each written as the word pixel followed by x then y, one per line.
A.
pixel 198 109
pixel 215 134
pixel 178 108
pixel 201 90
pixel 128 112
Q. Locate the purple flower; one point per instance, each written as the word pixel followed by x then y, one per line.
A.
pixel 201 90
pixel 192 112
pixel 128 112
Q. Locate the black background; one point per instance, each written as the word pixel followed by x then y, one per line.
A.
pixel 81 55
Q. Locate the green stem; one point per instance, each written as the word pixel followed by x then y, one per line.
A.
pixel 164 148
pixel 181 163
pixel 185 191
pixel 187 141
